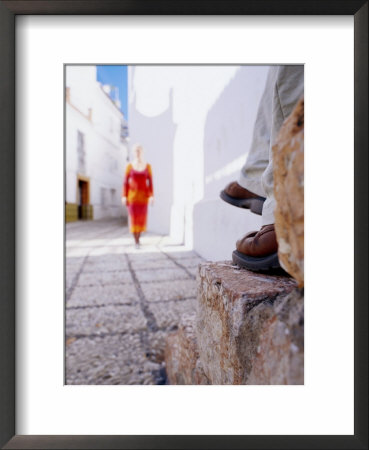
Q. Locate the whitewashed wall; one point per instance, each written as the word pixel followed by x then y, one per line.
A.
pixel 196 123
pixel 105 154
pixel 228 134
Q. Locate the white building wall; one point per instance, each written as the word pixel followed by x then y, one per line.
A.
pixel 105 154
pixel 198 121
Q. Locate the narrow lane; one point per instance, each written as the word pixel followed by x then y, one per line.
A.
pixel 122 302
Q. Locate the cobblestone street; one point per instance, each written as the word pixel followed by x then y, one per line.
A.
pixel 121 302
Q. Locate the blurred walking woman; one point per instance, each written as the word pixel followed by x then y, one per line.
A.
pixel 137 192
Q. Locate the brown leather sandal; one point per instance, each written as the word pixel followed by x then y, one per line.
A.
pixel 258 250
pixel 236 195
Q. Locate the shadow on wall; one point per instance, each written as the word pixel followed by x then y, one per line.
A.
pixel 227 139
pixel 229 128
pixel 161 159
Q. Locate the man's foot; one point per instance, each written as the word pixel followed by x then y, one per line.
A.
pixel 258 250
pixel 236 195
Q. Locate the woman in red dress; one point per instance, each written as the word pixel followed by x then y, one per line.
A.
pixel 137 192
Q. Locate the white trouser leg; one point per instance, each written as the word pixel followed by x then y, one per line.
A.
pixel 284 87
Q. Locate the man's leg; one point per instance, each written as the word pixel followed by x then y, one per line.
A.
pixel 249 192
pixel 284 87
pixel 258 157
pixel 288 89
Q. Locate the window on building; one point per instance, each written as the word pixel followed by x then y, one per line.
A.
pixel 103 197
pixel 81 152
pixel 112 196
pixel 124 130
pixel 110 163
pixel 113 165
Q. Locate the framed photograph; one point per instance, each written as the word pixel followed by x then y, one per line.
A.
pixel 118 131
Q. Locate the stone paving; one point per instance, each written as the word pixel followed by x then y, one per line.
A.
pixel 121 302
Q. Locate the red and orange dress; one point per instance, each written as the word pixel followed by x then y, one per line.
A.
pixel 138 188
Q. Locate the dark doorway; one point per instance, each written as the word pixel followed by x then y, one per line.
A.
pixel 83 199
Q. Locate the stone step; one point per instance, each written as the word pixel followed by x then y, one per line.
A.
pixel 183 365
pixel 248 329
pixel 247 326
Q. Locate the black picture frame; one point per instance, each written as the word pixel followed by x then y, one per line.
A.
pixel 8 12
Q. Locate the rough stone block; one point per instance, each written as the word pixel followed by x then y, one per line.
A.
pixel 279 357
pixel 288 162
pixel 182 362
pixel 239 323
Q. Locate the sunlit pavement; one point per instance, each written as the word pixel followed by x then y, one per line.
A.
pixel 121 302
